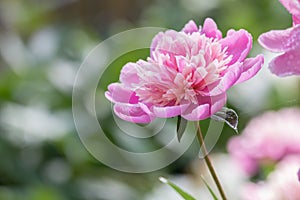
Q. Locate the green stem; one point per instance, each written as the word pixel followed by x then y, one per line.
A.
pixel 208 161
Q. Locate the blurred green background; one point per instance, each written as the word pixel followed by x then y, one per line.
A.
pixel 43 43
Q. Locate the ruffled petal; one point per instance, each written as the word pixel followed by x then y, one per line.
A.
pixel 286 64
pixel 210 29
pixel 117 93
pixel 169 111
pixel 237 45
pixel 281 40
pixel 168 43
pixel 132 113
pixel 190 27
pixel 250 67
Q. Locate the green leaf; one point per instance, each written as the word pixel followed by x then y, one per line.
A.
pixel 181 126
pixel 182 193
pixel 228 116
pixel 210 190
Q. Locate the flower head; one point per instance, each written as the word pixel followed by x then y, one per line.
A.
pixel 267 139
pixel 286 42
pixel 187 74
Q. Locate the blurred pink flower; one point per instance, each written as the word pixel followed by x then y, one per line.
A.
pixel 281 184
pixel 267 139
pixel 187 74
pixel 285 41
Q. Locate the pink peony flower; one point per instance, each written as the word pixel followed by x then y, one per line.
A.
pixel 267 139
pixel 286 42
pixel 281 184
pixel 187 74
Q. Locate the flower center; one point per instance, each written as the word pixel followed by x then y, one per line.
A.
pixel 182 68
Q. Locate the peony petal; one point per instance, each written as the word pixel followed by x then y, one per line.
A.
pixel 198 113
pixel 281 40
pixel 190 27
pixel 206 107
pixel 132 113
pixel 237 44
pixel 129 75
pixel 296 20
pixel 155 42
pixel 169 111
pixel 286 64
pixel 227 81
pixel 168 43
pixel 218 103
pixel 250 67
pixel 210 29
pixel 118 93
pixel 231 76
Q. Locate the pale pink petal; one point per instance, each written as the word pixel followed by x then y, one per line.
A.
pixel 132 113
pixel 155 41
pixel 129 75
pixel 250 68
pixel 238 45
pixel 117 93
pixel 281 40
pixel 286 64
pixel 166 47
pixel 190 27
pixel 169 111
pixel 210 29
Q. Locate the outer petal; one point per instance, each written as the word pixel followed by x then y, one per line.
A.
pixel 198 113
pixel 238 45
pixel 229 78
pixel 218 103
pixel 129 75
pixel 169 111
pixel 210 29
pixel 155 42
pixel 207 107
pixel 250 67
pixel 132 113
pixel 281 40
pixel 117 93
pixel 190 27
pixel 286 64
